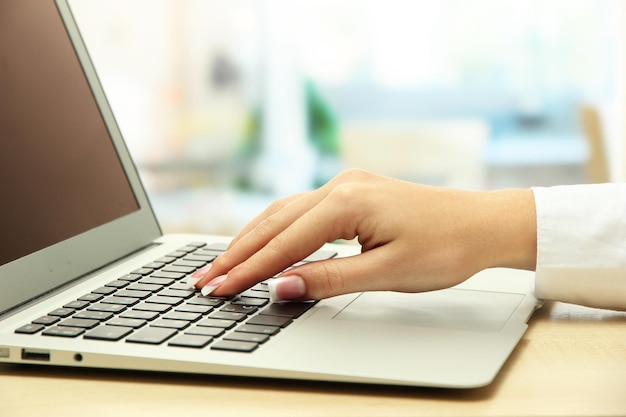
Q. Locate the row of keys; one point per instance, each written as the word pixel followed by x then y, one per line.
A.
pixel 152 305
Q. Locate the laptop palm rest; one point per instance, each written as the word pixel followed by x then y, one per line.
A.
pixel 458 309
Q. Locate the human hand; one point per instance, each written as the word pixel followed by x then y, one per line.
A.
pixel 413 238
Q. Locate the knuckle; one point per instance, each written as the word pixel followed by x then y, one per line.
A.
pixel 354 175
pixel 267 227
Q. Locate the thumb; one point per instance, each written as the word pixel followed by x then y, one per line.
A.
pixel 323 279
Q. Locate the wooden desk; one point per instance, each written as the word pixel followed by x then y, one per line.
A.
pixel 572 361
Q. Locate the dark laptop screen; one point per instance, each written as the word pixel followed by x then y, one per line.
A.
pixel 59 172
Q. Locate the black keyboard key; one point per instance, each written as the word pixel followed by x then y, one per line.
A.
pixel 180 315
pixel 77 305
pixel 143 271
pixel 234 346
pixel 166 259
pixel 247 301
pixel 30 328
pixel 156 281
pixel 63 331
pixel 200 258
pixel 190 341
pixel 170 324
pixel 291 309
pixel 205 331
pixel 178 269
pixel 154 265
pixel 104 290
pixel 182 285
pixel 46 320
pixel 140 315
pixel 247 337
pixel 225 315
pixel 262 320
pixel 255 294
pixel 192 246
pixel 159 299
pixel 130 277
pixel 93 315
pixel 189 263
pixel 196 245
pixel 111 333
pixel 254 328
pixel 124 301
pixel 168 275
pixel 237 308
pixel 224 324
pixel 62 312
pixel 261 286
pixel 91 297
pixel 118 283
pixel 205 301
pixel 208 252
pixel 108 308
pixel 126 322
pixel 144 287
pixel 133 293
pixel 168 292
pixel 82 323
pixel 190 308
pixel 216 246
pixel 153 307
pixel 151 335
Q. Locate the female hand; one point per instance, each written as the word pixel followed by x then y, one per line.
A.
pixel 414 238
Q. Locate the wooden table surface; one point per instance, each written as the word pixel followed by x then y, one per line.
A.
pixel 572 362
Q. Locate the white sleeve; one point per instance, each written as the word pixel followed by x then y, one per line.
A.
pixel 581 244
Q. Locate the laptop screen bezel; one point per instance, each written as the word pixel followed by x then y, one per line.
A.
pixel 40 272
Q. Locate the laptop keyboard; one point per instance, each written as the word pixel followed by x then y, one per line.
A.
pixel 153 305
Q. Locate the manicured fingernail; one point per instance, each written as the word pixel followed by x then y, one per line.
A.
pixel 194 278
pixel 201 272
pixel 290 287
pixel 212 285
pixel 191 281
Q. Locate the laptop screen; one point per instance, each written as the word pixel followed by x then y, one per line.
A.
pixel 60 173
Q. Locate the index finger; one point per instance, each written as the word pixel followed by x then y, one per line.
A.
pixel 260 232
pixel 306 234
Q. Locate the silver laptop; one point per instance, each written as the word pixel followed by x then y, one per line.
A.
pixel 88 280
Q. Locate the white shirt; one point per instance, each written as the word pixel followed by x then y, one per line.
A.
pixel 581 244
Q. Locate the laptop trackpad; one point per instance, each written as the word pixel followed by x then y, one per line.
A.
pixel 450 308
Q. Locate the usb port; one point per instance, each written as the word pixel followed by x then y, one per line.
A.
pixel 36 355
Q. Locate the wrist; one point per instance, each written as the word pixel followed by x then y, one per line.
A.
pixel 509 222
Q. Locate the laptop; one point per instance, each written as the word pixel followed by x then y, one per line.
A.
pixel 88 280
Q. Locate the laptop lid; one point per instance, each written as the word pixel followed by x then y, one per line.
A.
pixel 72 199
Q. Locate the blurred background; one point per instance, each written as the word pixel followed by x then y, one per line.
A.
pixel 228 105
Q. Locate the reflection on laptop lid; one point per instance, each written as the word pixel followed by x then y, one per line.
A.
pixel 89 281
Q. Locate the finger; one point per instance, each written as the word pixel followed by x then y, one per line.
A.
pixel 324 279
pixel 379 269
pixel 321 224
pixel 268 212
pixel 266 227
pixel 306 201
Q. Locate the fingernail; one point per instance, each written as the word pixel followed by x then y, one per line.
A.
pixel 194 278
pixel 192 281
pixel 290 287
pixel 201 272
pixel 212 285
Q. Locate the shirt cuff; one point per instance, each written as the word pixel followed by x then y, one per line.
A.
pixel 581 244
